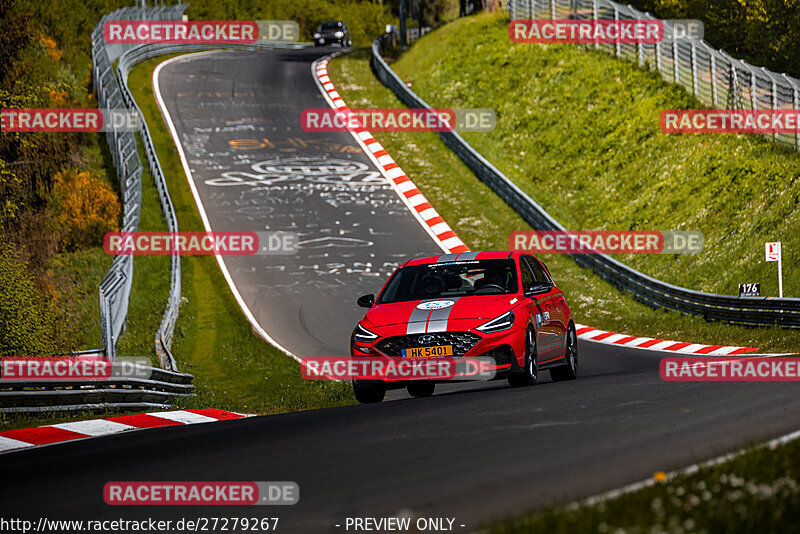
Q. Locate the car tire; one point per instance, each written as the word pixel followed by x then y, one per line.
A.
pixel 570 370
pixel 421 389
pixel 369 392
pixel 530 375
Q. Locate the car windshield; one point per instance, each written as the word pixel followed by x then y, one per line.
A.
pixel 451 279
pixel 330 26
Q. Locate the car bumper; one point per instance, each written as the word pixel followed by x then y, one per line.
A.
pixel 322 41
pixel 500 351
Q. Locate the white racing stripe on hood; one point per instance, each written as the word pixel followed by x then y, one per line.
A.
pixel 436 322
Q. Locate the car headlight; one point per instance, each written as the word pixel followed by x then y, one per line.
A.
pixel 317 35
pixel 339 34
pixel 498 324
pixel 363 335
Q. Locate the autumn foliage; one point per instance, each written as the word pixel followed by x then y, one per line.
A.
pixel 84 207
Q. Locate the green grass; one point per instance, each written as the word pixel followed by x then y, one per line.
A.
pixel 484 221
pixel 77 275
pixel 578 130
pixel 233 368
pixel 758 491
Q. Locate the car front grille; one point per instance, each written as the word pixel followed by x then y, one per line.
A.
pixel 461 342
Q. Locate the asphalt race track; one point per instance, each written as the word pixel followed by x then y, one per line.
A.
pixel 476 454
pixel 238 118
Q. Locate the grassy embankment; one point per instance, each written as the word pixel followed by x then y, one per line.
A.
pixel 580 134
pixel 758 491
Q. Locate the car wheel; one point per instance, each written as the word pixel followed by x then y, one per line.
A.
pixel 369 393
pixel 421 389
pixel 530 375
pixel 570 370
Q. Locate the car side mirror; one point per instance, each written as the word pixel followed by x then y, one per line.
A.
pixel 366 301
pixel 538 287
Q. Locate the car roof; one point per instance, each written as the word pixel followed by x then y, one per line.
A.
pixel 465 256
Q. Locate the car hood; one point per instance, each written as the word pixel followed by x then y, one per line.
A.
pixel 474 308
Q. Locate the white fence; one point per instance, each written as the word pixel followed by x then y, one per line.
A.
pixel 718 80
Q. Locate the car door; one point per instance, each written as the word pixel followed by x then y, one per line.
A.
pixel 553 335
pixel 539 307
pixel 557 308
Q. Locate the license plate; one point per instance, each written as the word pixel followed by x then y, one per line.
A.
pixel 428 352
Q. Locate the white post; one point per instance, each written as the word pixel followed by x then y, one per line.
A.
pixel 714 100
pixel 675 72
pixel 774 253
pixel 774 108
pixel 640 52
pixel 694 69
pixel 658 58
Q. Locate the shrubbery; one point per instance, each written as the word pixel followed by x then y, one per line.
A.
pixel 84 207
pixel 25 321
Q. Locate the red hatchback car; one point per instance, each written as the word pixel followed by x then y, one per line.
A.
pixel 498 305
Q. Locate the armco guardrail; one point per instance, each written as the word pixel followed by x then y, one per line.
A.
pixel 116 286
pixel 160 390
pixel 113 310
pixel 749 311
pixel 713 76
pixel 126 61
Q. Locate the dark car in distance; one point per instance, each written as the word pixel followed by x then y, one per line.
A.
pixel 332 31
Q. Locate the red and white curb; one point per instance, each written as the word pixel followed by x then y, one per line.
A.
pixel 594 335
pixel 450 242
pixel 428 217
pixel 12 440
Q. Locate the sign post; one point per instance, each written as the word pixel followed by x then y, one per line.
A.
pixel 773 251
